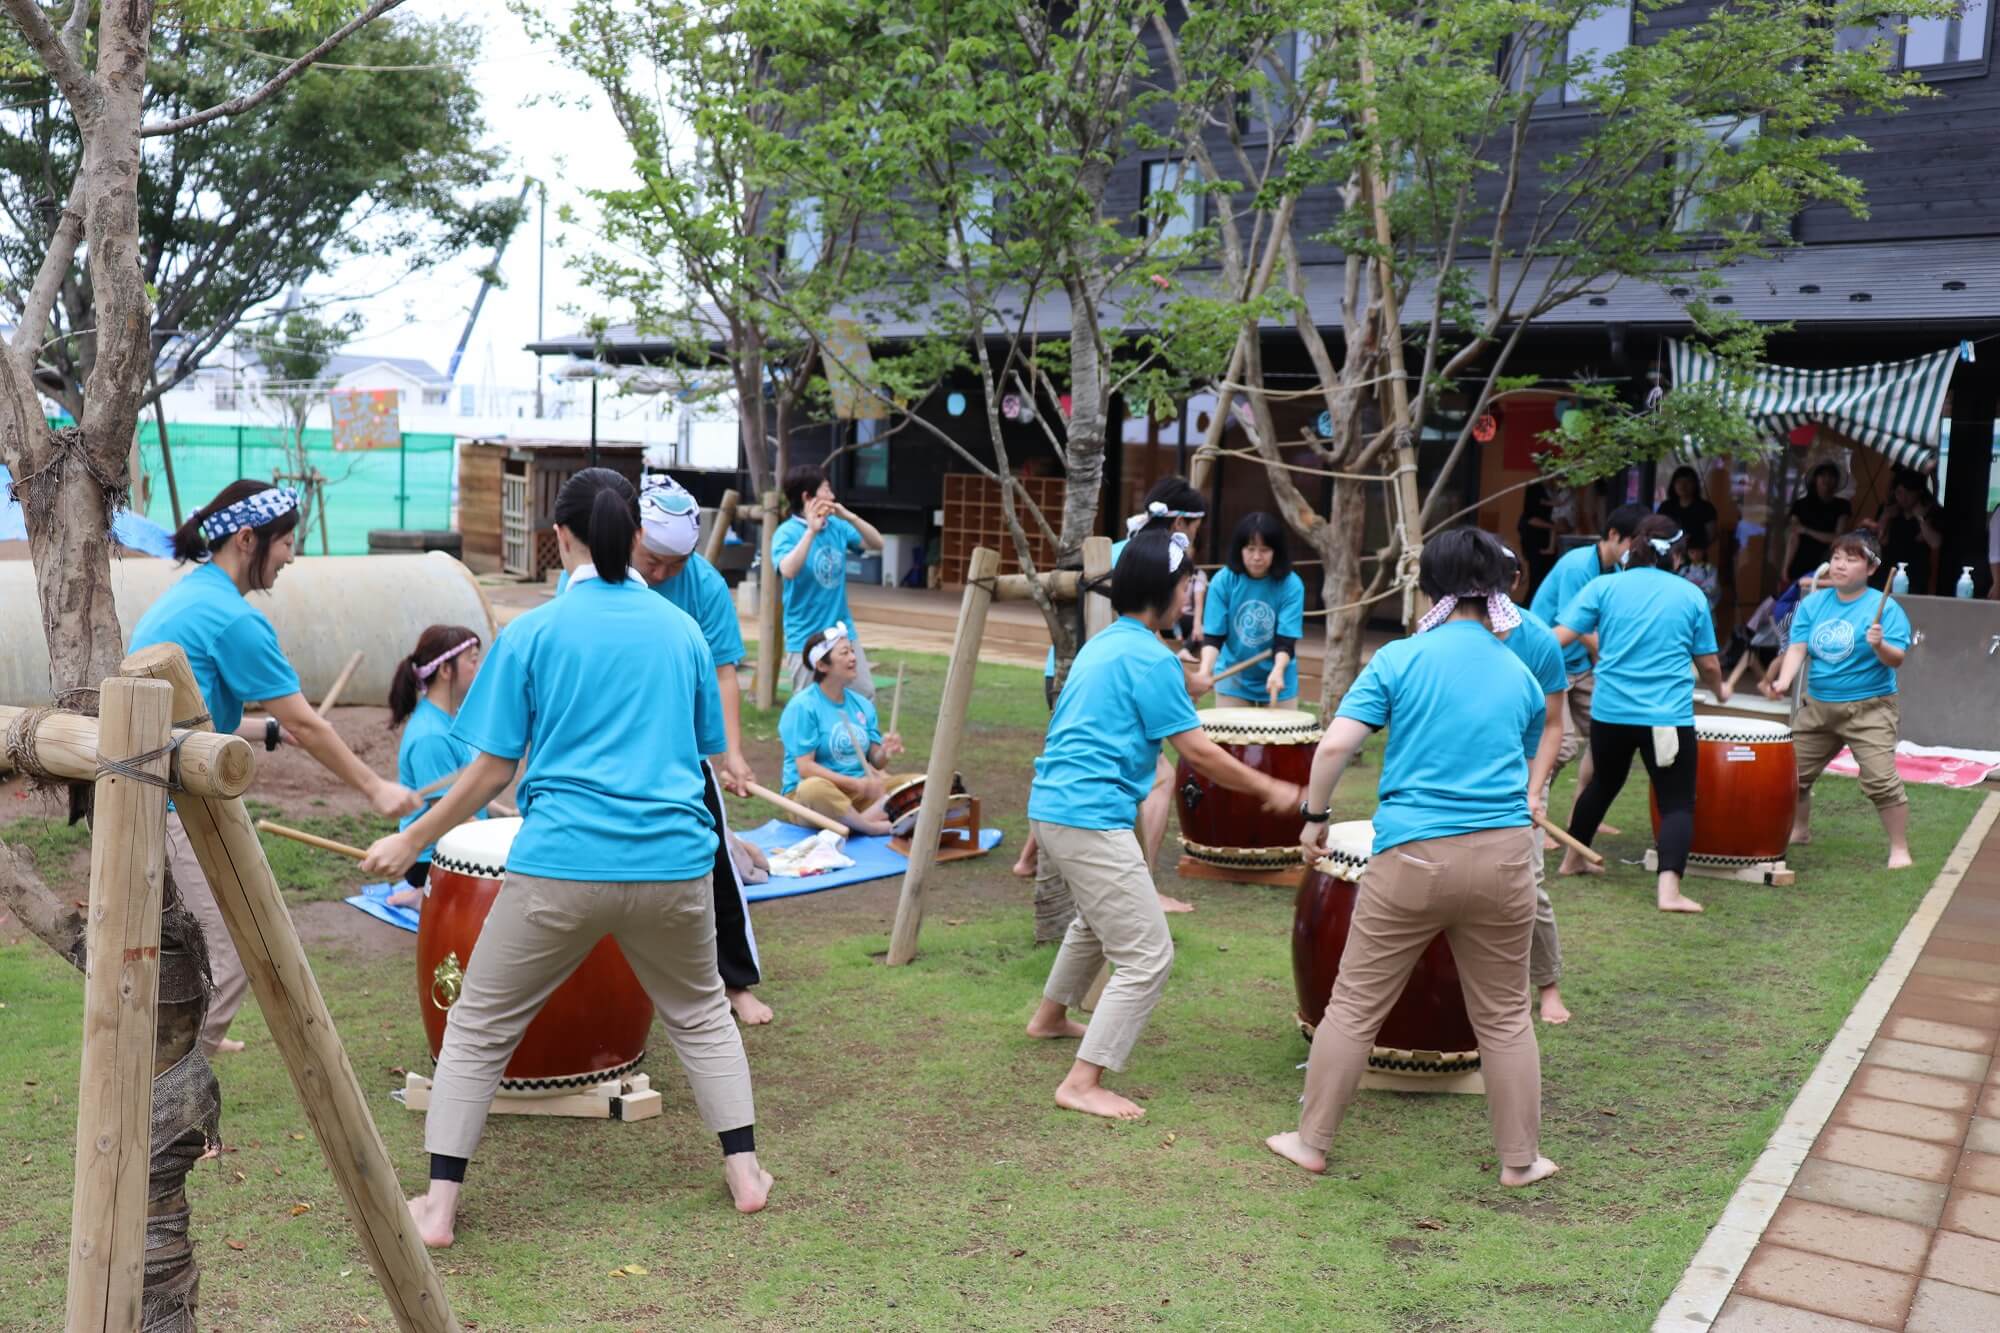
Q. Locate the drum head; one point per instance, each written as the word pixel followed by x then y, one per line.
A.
pixel 478 847
pixel 1741 730
pixel 1347 848
pixel 1260 726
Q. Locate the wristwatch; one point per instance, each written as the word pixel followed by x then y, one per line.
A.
pixel 1312 816
pixel 271 734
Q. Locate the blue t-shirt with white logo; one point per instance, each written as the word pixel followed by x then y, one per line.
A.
pixel 230 646
pixel 1125 694
pixel 817 598
pixel 1463 715
pixel 814 725
pixel 1558 586
pixel 1251 613
pixel 1650 625
pixel 614 785
pixel 1835 633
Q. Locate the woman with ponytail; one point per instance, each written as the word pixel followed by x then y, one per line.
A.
pixel 611 694
pixel 238 543
pixel 1650 623
pixel 424 697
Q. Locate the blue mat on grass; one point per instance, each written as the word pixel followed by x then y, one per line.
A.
pixel 873 859
pixel 373 899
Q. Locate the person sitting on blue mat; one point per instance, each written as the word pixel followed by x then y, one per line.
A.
pixel 835 751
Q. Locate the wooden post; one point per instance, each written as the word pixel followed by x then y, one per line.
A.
pixel 232 860
pixel 979 574
pixel 770 637
pixel 128 850
pixel 725 518
pixel 205 765
pixel 340 683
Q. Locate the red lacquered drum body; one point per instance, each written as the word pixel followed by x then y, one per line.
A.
pixel 593 1027
pixel 1746 791
pixel 1232 829
pixel 1428 1031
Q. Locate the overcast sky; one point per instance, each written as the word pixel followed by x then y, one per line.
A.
pixel 572 147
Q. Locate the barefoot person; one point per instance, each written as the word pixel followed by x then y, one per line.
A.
pixel 1125 694
pixel 1565 580
pixel 1535 644
pixel 811 548
pixel 834 747
pixel 238 543
pixel 1856 638
pixel 1256 604
pixel 424 698
pixel 1650 623
pixel 1453 850
pixel 611 694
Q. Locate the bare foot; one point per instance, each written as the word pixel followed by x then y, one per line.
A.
pixel 1610 830
pixel 1900 860
pixel 1024 868
pixel 1097 1101
pixel 1293 1149
pixel 1174 905
pixel 1679 902
pixel 228 1046
pixel 749 1184
pixel 404 898
pixel 1050 1029
pixel 1514 1177
pixel 434 1224
pixel 1801 838
pixel 1572 864
pixel 750 1011
pixel 1549 844
pixel 1553 1008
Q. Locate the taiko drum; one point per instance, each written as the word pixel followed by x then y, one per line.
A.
pixel 1746 791
pixel 595 1023
pixel 1428 1030
pixel 1233 829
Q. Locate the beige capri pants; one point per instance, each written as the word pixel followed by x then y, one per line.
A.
pixel 1118 920
pixel 225 966
pixel 1869 727
pixel 537 933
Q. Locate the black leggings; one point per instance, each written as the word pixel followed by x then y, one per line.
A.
pixel 1612 745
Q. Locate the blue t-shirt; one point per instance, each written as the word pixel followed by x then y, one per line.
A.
pixel 1562 583
pixel 1835 632
pixel 1535 644
pixel 229 644
pixel 1249 613
pixel 1049 668
pixel 611 693
pixel 701 591
pixel 1125 694
pixel 428 752
pixel 1463 715
pixel 814 725
pixel 818 596
pixel 1649 623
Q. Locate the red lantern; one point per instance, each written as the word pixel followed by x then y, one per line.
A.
pixel 1484 429
pixel 1801 436
pixel 1063 402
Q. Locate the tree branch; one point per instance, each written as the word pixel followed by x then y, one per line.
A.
pixel 45 916
pixel 237 105
pixel 41 302
pixel 54 55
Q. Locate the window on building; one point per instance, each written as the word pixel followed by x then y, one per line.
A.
pixel 871 456
pixel 1697 214
pixel 1596 36
pixel 468 397
pixel 1927 43
pixel 225 395
pixel 1287 55
pixel 434 397
pixel 805 236
pixel 1172 201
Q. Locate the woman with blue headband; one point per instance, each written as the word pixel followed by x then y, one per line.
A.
pixel 238 543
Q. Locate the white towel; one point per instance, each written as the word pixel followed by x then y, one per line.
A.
pixel 815 856
pixel 1666 746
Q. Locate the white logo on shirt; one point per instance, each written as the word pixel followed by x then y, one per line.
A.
pixel 1253 624
pixel 829 566
pixel 1832 641
pixel 842 740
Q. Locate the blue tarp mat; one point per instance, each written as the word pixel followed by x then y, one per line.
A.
pixel 373 900
pixel 873 859
pixel 132 531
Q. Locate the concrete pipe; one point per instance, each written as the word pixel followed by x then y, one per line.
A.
pixel 324 608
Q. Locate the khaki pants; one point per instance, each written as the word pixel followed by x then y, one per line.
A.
pixel 1545 951
pixel 821 796
pixel 1576 729
pixel 1869 727
pixel 1479 890
pixel 1118 920
pixel 801 675
pixel 536 934
pixel 232 983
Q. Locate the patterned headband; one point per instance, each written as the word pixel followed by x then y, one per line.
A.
pixel 252 511
pixel 429 669
pixel 1158 509
pixel 669 519
pixel 1501 613
pixel 834 633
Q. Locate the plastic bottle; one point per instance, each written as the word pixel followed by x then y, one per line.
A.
pixel 1964 588
pixel 1899 583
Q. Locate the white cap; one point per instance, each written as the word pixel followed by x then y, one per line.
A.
pixel 669 519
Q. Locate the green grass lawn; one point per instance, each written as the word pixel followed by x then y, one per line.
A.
pixel 925 1181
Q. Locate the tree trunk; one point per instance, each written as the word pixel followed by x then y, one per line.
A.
pixel 67 511
pixel 1338 542
pixel 1083 449
pixel 749 376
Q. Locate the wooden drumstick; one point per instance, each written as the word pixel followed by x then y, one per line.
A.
pixel 792 807
pixel 860 747
pixel 312 840
pixel 340 683
pixel 432 788
pixel 1245 665
pixel 896 704
pixel 1561 835
pixel 1882 604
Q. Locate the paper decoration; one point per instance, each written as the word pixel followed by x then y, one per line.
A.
pixel 366 419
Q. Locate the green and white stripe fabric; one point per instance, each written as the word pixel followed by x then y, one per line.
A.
pixel 1894 407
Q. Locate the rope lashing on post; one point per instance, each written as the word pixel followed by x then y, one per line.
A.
pixel 134 767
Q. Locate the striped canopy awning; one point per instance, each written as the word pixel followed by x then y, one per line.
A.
pixel 1894 407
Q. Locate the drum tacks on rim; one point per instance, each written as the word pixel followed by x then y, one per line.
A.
pixel 1746 792
pixel 1232 829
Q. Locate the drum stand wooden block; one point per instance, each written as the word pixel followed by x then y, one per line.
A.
pixel 958 838
pixel 1473 1084
pixel 614 1099
pixel 1288 878
pixel 1772 874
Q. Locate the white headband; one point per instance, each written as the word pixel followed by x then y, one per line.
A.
pixel 834 633
pixel 1158 509
pixel 669 519
pixel 1177 549
pixel 252 511
pixel 429 669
